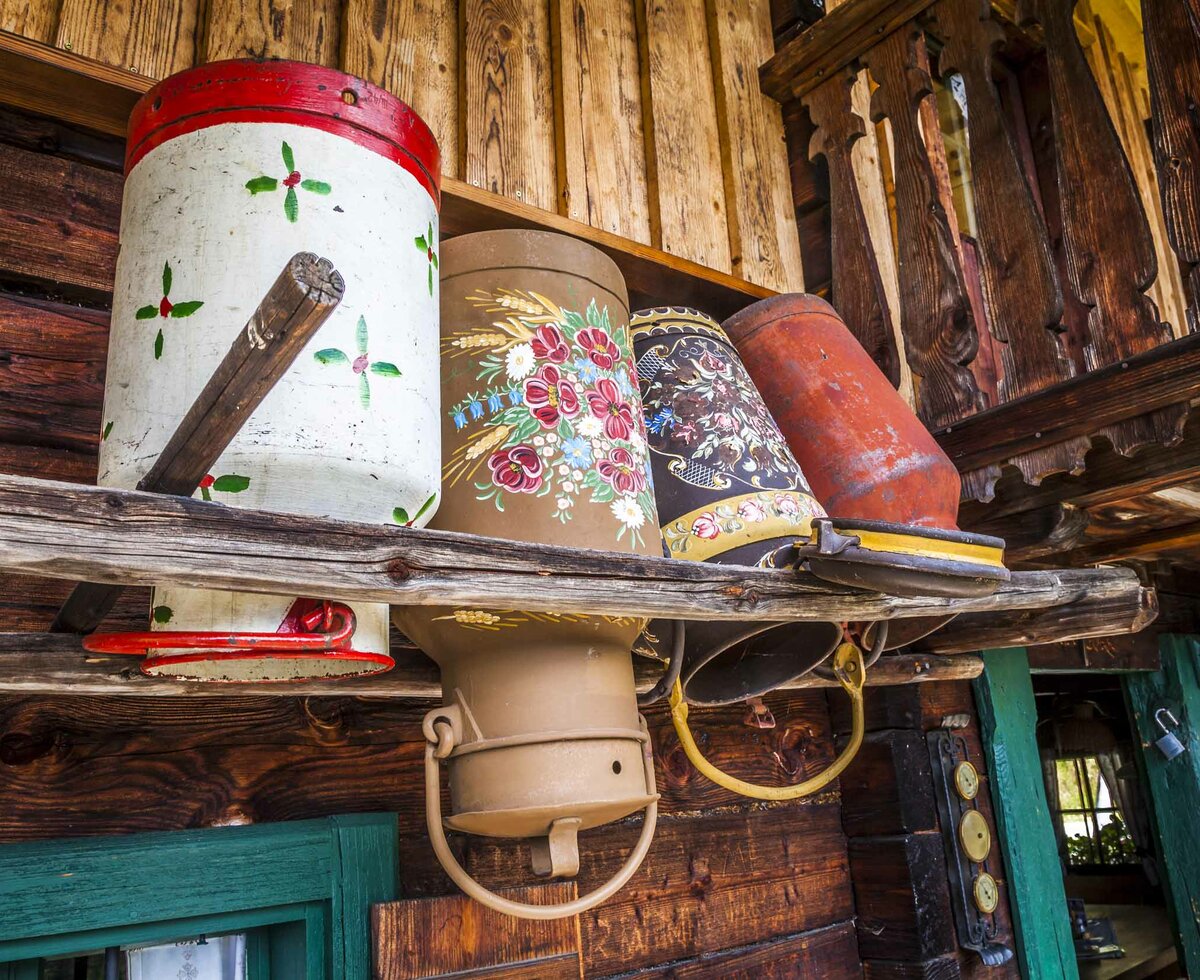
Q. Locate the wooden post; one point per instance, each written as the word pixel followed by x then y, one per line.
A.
pixel 1173 786
pixel 1007 716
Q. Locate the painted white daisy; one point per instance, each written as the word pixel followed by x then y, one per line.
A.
pixel 590 427
pixel 576 475
pixel 563 469
pixel 637 441
pixel 568 487
pixel 519 361
pixel 563 503
pixel 628 512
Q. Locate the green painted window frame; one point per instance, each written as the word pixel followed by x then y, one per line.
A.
pixel 303 890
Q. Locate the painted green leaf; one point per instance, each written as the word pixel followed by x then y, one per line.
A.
pixel 424 507
pixel 360 334
pixel 400 516
pixel 231 483
pixel 107 429
pixel 420 242
pixel 385 369
pixel 364 391
pixel 166 278
pixel 431 280
pixel 429 234
pixel 291 205
pixel 316 186
pixel 163 614
pixel 289 159
pixel 433 259
pixel 146 312
pixel 186 309
pixel 205 495
pixel 331 355
pixel 158 344
pixel 261 184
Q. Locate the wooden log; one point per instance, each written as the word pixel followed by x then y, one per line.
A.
pixel 302 298
pixel 128 537
pixel 54 663
pixel 832 43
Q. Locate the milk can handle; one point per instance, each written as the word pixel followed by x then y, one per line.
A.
pixel 522 910
pixel 850 672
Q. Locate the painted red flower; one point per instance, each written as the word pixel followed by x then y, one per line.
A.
pixel 706 526
pixel 548 343
pixel 606 403
pixel 518 469
pixel 551 396
pixel 598 346
pixel 620 471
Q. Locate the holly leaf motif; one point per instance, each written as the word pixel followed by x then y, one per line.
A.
pixel 291 204
pixel 360 334
pixel 316 186
pixel 421 243
pixel 331 355
pixel 400 516
pixel 158 344
pixel 364 391
pixel 289 159
pixel 166 278
pixel 146 312
pixel 424 507
pixel 385 369
pixel 163 614
pixel 186 309
pixel 108 426
pixel 260 185
pixel 433 259
pixel 231 483
pixel 430 280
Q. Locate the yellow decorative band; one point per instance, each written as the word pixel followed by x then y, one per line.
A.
pixel 736 521
pixel 923 547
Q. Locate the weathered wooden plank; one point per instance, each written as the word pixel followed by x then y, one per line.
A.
pixel 1007 718
pixel 303 297
pixel 435 937
pixel 683 159
pixel 507 104
pixel 1108 653
pixel 155 39
pixel 1148 544
pixel 1173 786
pixel 34 19
pixel 832 43
pixel 1172 35
pixel 764 242
pixel 304 30
pixel 940 339
pixel 601 157
pixel 889 789
pixel 410 49
pixel 127 537
pixel 942 968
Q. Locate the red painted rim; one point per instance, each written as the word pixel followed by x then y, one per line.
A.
pixel 377 663
pixel 286 92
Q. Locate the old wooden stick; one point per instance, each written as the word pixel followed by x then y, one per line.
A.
pixel 307 291
pixel 61 530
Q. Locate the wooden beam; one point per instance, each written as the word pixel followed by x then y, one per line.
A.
pixel 99 534
pixel 301 299
pixel 1166 375
pixel 54 663
pixel 1184 537
pixel 1104 654
pixel 1007 720
pixel 83 92
pixel 832 43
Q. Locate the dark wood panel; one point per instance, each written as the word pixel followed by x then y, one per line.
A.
pixel 942 968
pixel 889 788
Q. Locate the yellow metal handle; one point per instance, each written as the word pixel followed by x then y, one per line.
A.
pixel 851 672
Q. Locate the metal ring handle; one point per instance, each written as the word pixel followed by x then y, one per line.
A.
pixel 522 910
pixel 850 671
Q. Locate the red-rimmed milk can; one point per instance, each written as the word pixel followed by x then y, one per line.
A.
pixel 231 169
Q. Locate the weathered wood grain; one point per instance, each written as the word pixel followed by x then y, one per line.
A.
pixel 857 290
pixel 434 937
pixel 34 19
pixel 1172 36
pixel 686 183
pixel 600 149
pixel 128 537
pixel 410 49
pixel 940 339
pixel 301 299
pixel 155 39
pixel 507 106
pixel 764 242
pixel 1103 654
pixel 301 30
pixel 889 789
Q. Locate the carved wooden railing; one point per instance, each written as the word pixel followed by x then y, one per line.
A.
pixel 1057 275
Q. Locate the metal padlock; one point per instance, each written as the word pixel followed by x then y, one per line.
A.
pixel 1169 745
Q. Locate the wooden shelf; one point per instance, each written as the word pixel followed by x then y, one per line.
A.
pixel 82 92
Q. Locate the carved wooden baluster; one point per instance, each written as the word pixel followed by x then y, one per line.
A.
pixel 1019 280
pixel 1110 254
pixel 857 287
pixel 1172 29
pixel 935 309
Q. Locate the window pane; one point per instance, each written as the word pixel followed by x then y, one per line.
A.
pixel 1069 794
pixel 218 958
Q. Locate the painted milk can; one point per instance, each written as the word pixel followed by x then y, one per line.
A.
pixel 728 490
pixel 231 169
pixel 891 491
pixel 543 441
